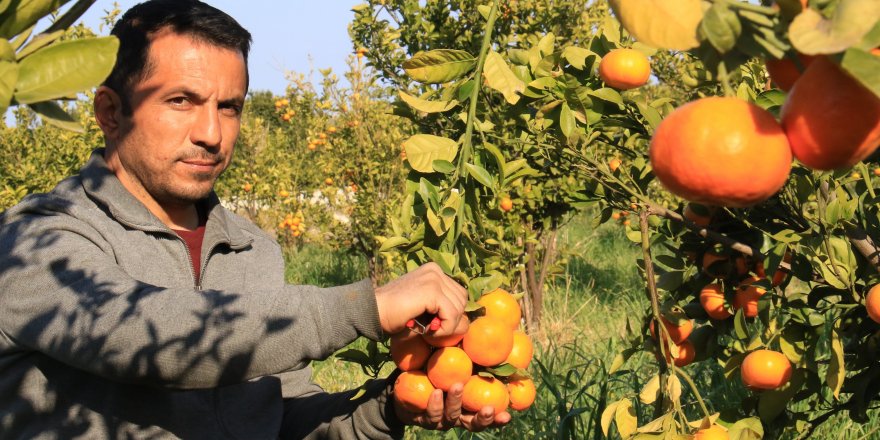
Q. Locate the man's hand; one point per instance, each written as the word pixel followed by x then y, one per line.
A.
pixel 424 290
pixel 443 416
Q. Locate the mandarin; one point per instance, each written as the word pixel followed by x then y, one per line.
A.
pixel 482 391
pixel 488 341
pixel 412 390
pixel 500 304
pixel 409 351
pixel 721 151
pixel 624 69
pixel 448 366
pixel 832 121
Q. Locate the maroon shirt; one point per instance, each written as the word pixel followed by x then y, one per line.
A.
pixel 193 241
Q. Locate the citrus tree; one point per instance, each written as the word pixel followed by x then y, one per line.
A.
pixel 758 265
pixel 490 217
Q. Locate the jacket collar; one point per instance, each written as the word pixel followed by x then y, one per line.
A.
pixel 102 185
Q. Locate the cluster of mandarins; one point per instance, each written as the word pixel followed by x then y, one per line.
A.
pixel 282 106
pixel 293 223
pixel 493 339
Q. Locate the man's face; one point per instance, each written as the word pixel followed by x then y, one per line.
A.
pixel 185 119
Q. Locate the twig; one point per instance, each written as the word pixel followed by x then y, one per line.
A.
pixel 708 233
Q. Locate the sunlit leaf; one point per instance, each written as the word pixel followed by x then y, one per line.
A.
pixel 439 66
pixel 499 77
pixel 423 149
pixel 424 105
pixel 65 68
pixel 53 114
pixel 836 369
pixel 666 24
pixel 8 78
pixel 813 34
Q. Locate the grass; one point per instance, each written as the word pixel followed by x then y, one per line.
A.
pixel 584 327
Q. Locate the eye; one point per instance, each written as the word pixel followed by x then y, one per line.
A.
pixel 179 101
pixel 231 110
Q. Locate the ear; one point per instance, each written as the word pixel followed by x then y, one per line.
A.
pixel 108 113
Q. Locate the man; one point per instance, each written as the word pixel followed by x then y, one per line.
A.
pixel 133 305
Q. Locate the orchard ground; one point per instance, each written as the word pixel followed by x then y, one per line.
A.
pixel 582 332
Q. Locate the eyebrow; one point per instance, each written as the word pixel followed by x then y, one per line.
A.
pixel 192 94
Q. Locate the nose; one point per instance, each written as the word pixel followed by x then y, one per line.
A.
pixel 206 131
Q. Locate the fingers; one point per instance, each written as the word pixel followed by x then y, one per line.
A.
pixel 434 413
pixel 453 404
pixel 479 421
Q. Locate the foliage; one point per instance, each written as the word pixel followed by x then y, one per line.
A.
pixel 36 70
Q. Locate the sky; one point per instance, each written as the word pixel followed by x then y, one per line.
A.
pixel 295 35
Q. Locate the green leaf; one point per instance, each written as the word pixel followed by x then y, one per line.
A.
pixel 445 260
pixel 546 44
pixel 567 123
pixel 7 52
pixel 423 105
pixel 577 57
pixel 773 402
pixel 746 429
pixel 499 77
pixel 482 176
pixel 443 166
pixel 770 99
pixel 8 78
pixel 503 370
pixel 621 359
pixel 667 24
pixel 608 415
pixel 439 66
pixel 608 94
pixel 52 113
pixel 721 27
pixel 392 242
pixel 484 11
pixel 864 67
pixel 423 149
pixel 648 395
pixel 812 34
pixel 740 326
pixel 836 369
pixel 40 41
pixel 625 419
pixel 518 56
pixel 23 14
pixel 65 68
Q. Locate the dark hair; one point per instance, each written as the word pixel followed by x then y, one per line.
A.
pixel 192 18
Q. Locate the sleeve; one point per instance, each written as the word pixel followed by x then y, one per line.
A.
pixel 63 294
pixel 315 414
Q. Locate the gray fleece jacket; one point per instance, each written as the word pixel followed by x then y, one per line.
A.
pixel 104 333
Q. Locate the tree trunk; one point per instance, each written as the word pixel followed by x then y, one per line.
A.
pixel 533 276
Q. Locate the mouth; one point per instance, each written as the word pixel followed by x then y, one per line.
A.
pixel 199 165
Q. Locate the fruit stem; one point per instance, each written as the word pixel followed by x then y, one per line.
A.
pixel 723 75
pixel 467 146
pixel 687 378
pixel 662 333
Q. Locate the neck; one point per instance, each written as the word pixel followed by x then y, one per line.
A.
pixel 175 215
